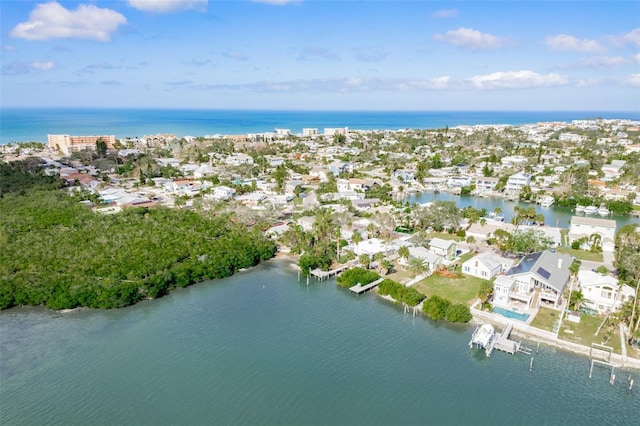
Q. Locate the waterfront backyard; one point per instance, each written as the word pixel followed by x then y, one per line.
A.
pixel 463 289
pixel 583 332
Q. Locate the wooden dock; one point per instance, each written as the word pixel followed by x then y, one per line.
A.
pixel 321 275
pixel 503 343
pixel 358 288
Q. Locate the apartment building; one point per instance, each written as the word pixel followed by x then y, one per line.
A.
pixel 68 144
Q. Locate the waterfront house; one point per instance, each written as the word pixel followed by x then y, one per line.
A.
pixel 538 277
pixel 484 184
pixel 516 182
pixel 603 293
pixel 585 227
pixel 432 260
pixel 444 248
pixel 486 265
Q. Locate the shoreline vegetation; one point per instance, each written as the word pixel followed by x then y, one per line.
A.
pixel 62 255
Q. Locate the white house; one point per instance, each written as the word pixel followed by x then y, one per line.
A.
pixel 587 226
pixel 444 248
pixel 517 181
pixel 603 293
pixel 486 265
pixel 540 276
pixel 459 181
pixel 222 193
pixel 486 183
pixel 432 260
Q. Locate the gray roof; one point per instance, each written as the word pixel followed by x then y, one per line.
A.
pixel 550 268
pixel 593 221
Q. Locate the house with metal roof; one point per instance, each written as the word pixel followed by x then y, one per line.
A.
pixel 486 265
pixel 444 248
pixel 538 277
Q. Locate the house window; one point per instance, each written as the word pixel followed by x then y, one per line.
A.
pixel 605 294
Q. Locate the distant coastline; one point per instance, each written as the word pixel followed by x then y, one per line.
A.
pixel 33 124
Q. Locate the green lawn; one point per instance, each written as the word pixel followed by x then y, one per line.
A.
pixel 582 255
pixel 564 237
pixel 545 319
pixel 583 333
pixel 457 290
pixel 399 274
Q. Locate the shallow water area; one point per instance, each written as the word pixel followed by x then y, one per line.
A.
pixel 262 348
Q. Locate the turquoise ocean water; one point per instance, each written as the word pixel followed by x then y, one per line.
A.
pixel 262 348
pixel 25 125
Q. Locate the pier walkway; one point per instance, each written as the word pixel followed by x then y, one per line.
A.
pixel 319 274
pixel 503 343
pixel 359 288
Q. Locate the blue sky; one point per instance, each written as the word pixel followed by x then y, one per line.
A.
pixel 322 55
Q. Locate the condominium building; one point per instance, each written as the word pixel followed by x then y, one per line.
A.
pixel 69 144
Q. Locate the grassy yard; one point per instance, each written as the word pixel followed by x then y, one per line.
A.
pixel 564 237
pixel 583 333
pixel 582 255
pixel 399 274
pixel 457 290
pixel 545 319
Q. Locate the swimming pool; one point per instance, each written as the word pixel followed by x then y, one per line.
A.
pixel 511 314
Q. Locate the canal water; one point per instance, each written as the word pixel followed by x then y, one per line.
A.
pixel 553 216
pixel 262 348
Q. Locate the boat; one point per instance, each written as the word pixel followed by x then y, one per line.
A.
pixel 482 336
pixel 603 210
pixel 579 208
pixel 547 201
pixel 590 210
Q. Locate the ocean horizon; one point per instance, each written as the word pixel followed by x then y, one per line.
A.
pixel 34 124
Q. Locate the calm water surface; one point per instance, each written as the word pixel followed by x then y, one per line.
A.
pixel 554 216
pixel 261 348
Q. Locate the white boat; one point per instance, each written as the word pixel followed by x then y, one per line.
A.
pixel 579 208
pixel 547 201
pixel 603 210
pixel 590 210
pixel 482 336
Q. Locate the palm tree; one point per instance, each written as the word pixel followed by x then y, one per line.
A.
pixel 364 260
pixel 403 252
pixel 418 265
pixel 356 237
pixel 596 241
pixel 379 257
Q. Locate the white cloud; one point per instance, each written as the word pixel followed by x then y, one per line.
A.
pixel 166 6
pixel 636 57
pixel 516 80
pixel 605 61
pixel 632 37
pixel 445 13
pixel 276 2
pixel 335 85
pixel 42 66
pixel 51 20
pixel 8 48
pixel 470 39
pixel 633 80
pixel 569 42
pixel 17 67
